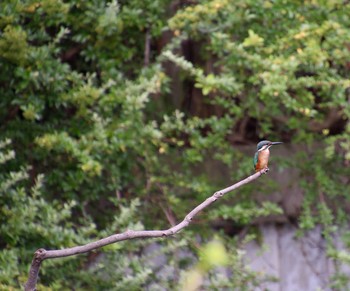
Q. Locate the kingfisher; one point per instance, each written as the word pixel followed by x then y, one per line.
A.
pixel 261 157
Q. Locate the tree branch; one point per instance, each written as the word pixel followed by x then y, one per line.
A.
pixel 42 254
pixel 147 47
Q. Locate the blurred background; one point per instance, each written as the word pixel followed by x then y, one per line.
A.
pixel 120 115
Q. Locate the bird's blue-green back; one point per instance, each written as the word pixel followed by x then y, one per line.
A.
pixel 255 161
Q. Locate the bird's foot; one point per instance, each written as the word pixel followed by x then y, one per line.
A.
pixel 266 170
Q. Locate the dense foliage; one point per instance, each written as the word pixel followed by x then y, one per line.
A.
pixel 94 139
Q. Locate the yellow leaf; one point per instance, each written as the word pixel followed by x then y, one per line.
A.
pixel 253 39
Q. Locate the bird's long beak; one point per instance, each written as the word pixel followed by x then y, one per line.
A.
pixel 276 142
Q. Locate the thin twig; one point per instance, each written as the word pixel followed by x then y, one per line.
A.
pixel 42 254
pixel 147 47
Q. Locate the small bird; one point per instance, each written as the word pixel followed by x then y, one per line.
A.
pixel 261 157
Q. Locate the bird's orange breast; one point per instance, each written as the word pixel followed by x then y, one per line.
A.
pixel 263 160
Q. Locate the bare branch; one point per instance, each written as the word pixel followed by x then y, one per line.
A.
pixel 147 47
pixel 42 254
